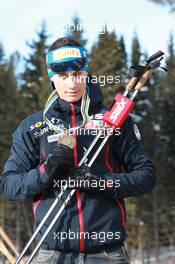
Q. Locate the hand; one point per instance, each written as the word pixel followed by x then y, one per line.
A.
pixel 59 161
pixel 82 177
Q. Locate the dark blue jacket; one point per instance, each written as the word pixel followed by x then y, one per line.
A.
pixel 100 217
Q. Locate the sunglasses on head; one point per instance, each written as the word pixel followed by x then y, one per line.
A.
pixel 76 65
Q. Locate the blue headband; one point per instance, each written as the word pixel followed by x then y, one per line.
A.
pixel 66 54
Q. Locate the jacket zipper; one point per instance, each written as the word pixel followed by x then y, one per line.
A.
pixel 78 193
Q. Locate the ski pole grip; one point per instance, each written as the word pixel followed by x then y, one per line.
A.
pixel 143 79
pixel 131 83
pixel 155 56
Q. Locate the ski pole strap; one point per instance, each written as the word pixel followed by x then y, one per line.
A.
pixel 136 71
pixel 151 62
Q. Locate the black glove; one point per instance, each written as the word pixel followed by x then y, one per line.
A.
pixel 82 177
pixel 59 161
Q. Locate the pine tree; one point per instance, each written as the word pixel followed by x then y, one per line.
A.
pixel 168 125
pixel 10 115
pixel 9 102
pixel 35 80
pixel 121 63
pixel 76 31
pixel 158 131
pixel 148 112
pixel 136 51
pixel 169 3
pixel 170 88
pixel 107 63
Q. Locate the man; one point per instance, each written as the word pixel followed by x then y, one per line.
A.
pixel 91 228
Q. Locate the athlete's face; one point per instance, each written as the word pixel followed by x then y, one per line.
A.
pixel 70 86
